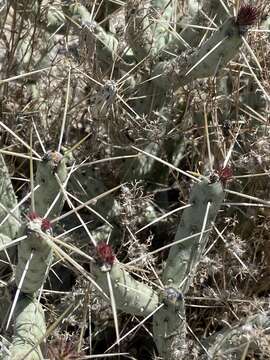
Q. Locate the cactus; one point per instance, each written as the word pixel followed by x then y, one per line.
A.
pixel 233 341
pixel 35 255
pixel 169 323
pixel 203 62
pixel 5 254
pixel 5 301
pixel 206 199
pixel 37 245
pixel 189 36
pixel 9 224
pixel 29 330
pixel 139 33
pixel 49 190
pixel 131 296
pixel 133 101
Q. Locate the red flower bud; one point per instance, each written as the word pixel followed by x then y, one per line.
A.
pixel 225 174
pixel 105 253
pixel 45 225
pixel 247 15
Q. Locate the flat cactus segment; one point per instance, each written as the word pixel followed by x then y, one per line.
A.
pixel 148 28
pixel 42 256
pixel 29 329
pixel 131 296
pixel 5 254
pixel 52 164
pixel 190 36
pixel 139 33
pixel 84 184
pixel 231 342
pixel 200 63
pixel 184 257
pixel 169 326
pixel 5 303
pixel 162 16
pixel 105 43
pixel 9 225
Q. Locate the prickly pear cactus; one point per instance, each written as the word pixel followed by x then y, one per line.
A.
pixel 170 322
pixel 149 86
pixel 169 325
pixel 85 186
pixel 36 252
pixel 131 296
pixel 29 330
pixel 9 224
pixel 206 198
pixel 49 194
pixel 205 61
